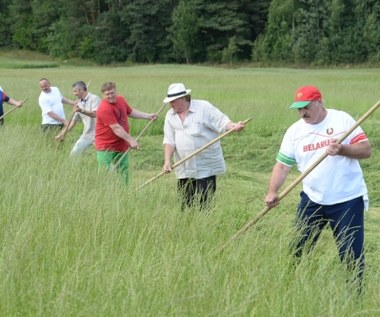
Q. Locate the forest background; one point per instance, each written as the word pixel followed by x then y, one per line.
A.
pixel 313 32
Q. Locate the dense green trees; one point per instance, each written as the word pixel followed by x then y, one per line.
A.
pixel 190 31
pixel 136 30
pixel 5 35
pixel 321 32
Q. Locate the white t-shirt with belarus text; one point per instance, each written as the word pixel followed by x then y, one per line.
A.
pixel 337 178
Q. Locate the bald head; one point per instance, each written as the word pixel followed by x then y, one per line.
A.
pixel 45 85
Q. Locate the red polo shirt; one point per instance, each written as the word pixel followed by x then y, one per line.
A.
pixel 107 114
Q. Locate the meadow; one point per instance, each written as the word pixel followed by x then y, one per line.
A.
pixel 75 241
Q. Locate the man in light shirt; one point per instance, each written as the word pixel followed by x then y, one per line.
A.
pixel 85 111
pixel 51 103
pixel 189 125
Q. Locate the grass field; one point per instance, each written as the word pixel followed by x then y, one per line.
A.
pixel 77 242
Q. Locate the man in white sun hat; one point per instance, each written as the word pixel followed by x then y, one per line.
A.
pixel 189 125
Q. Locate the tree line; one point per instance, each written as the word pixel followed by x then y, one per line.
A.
pixel 320 32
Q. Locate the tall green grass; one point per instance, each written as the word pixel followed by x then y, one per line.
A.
pixel 76 241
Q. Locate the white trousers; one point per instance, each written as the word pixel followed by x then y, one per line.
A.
pixel 80 146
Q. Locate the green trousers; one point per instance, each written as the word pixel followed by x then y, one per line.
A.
pixel 108 159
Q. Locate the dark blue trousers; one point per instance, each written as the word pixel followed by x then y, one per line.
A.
pixel 1 111
pixel 346 221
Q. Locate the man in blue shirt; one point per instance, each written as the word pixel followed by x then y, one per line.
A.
pixel 11 101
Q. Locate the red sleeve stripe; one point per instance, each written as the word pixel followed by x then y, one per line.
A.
pixel 359 138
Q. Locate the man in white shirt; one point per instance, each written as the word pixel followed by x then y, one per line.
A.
pixel 189 125
pixel 334 192
pixel 51 103
pixel 85 111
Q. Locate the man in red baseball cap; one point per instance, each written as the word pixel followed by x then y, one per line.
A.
pixel 305 95
pixel 334 192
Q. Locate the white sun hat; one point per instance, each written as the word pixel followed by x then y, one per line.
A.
pixel 176 91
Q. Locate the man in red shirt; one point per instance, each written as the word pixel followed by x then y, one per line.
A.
pixel 112 138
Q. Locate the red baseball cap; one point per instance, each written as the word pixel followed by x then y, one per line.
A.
pixel 305 95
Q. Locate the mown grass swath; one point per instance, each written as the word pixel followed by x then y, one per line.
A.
pixel 76 242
